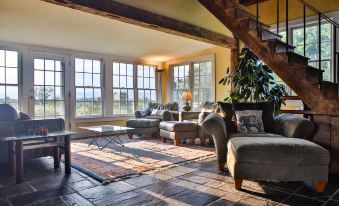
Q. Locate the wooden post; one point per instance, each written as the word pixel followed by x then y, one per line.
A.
pixel 67 154
pixel 234 58
pixel 12 156
pixel 19 161
pixel 56 154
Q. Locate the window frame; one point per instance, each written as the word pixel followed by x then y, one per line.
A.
pixel 137 89
pixel 102 86
pixel 191 62
pixel 19 74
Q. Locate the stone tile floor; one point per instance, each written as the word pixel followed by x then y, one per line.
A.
pixel 195 183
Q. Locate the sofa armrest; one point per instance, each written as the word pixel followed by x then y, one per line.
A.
pixel 214 125
pixel 293 126
pixel 141 113
pixel 165 115
pixel 188 116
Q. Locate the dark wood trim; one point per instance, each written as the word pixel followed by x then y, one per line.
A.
pixel 19 161
pixel 67 154
pixel 250 2
pixel 234 58
pixel 56 154
pixel 132 15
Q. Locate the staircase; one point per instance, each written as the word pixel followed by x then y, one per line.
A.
pixel 292 68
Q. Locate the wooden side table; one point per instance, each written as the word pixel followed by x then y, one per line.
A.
pixel 17 148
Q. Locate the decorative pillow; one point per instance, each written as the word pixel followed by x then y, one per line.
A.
pixel 249 121
pixel 25 116
pixel 154 112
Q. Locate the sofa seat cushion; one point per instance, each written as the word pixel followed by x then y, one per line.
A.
pixel 278 150
pixel 175 126
pixel 142 123
pixel 153 117
pixel 264 134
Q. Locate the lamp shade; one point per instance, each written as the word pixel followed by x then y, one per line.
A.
pixel 186 95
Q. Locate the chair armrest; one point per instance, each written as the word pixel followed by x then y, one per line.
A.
pixel 214 125
pixel 293 126
pixel 165 115
pixel 141 114
pixel 188 116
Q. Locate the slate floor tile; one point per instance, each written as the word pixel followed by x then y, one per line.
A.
pixel 224 202
pixel 323 196
pixel 195 178
pixel 39 196
pixel 82 185
pixel 163 189
pixel 332 203
pixel 193 197
pixel 15 190
pixel 252 201
pixel 55 201
pixel 143 181
pixel 298 200
pixel 75 199
pixel 4 202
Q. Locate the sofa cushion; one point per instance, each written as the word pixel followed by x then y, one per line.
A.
pixel 264 134
pixel 279 150
pixel 175 126
pixel 142 123
pixel 267 114
pixel 8 113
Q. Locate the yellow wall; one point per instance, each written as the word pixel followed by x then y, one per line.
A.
pixel 222 61
pixel 268 9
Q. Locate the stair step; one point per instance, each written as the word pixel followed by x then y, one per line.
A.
pixel 311 74
pixel 329 89
pixel 264 34
pixel 280 46
pixel 294 60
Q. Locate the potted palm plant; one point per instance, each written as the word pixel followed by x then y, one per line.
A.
pixel 253 81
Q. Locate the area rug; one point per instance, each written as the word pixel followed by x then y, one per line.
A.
pixel 137 156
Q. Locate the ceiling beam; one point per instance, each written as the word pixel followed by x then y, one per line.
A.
pixel 132 15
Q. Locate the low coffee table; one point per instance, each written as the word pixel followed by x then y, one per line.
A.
pixel 110 133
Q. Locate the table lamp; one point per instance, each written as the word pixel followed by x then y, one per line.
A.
pixel 186 95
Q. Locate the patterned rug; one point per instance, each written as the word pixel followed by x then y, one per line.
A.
pixel 137 156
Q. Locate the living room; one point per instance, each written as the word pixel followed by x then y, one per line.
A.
pixel 181 102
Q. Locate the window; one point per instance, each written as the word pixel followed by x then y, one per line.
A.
pixel 48 89
pixel 312 45
pixel 123 88
pixel 146 85
pixel 9 81
pixel 88 87
pixel 181 82
pixel 202 90
pixel 198 80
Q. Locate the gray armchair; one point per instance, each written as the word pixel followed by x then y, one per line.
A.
pixel 286 125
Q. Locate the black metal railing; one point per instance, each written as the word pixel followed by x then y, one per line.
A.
pixel 321 18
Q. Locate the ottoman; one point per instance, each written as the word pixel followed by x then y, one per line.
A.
pixel 145 127
pixel 177 131
pixel 277 159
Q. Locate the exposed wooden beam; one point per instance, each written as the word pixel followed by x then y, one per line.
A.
pixel 139 17
pixel 250 2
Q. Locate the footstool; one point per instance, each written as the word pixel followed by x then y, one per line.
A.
pixel 277 159
pixel 145 127
pixel 177 131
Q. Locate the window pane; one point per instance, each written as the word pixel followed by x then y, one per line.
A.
pixel 49 108
pixel 96 80
pixel 39 64
pixel 123 95
pixel 130 95
pixel 58 79
pixel 130 107
pixel 88 80
pixel 97 94
pixel 116 81
pixel 153 96
pixel 123 69
pixel 12 94
pixel 80 94
pixel 2 75
pixel 79 79
pixel 130 70
pixel 152 83
pixel 59 108
pixel 140 82
pixel 146 83
pixel 130 82
pixel 116 94
pixel 140 71
pixel 2 94
pixel 79 65
pixel 2 58
pixel 49 78
pixel 176 72
pixel 116 107
pixel 96 66
pixel 39 110
pixel 88 94
pixel 39 93
pixel 88 66
pixel 49 92
pixel 58 66
pixel 123 108
pixel 146 71
pixel 97 108
pixel 49 65
pixel 11 75
pixel 115 68
pixel 123 81
pixel 11 59
pixel 59 93
pixel 141 95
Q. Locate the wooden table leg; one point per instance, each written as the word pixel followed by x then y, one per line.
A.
pixel 12 156
pixel 56 154
pixel 67 154
pixel 19 161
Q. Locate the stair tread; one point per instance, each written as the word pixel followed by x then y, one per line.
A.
pixel 280 42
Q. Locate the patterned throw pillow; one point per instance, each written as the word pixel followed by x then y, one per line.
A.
pixel 24 116
pixel 249 121
pixel 154 112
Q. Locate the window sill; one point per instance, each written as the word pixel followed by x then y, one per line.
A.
pixel 103 119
